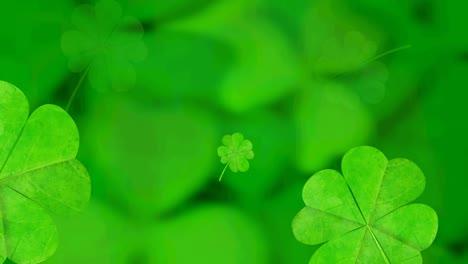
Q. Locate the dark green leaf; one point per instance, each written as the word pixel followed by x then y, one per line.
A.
pixel 105 44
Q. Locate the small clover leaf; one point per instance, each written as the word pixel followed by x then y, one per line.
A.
pixel 104 44
pixel 364 214
pixel 39 176
pixel 235 153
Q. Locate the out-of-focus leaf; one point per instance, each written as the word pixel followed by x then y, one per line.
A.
pixel 370 83
pixel 444 108
pixel 410 131
pixel 290 15
pixel 405 71
pixel 278 213
pixel 209 234
pixel 451 20
pixel 265 67
pixel 104 44
pixel 215 17
pixel 330 119
pixel 97 236
pixel 336 40
pixel 437 254
pixel 149 158
pixel 30 47
pixel 162 11
pixel 183 65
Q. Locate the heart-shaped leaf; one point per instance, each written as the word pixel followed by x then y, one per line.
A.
pixel 223 235
pixel 39 176
pixel 363 215
pixel 148 159
pixel 105 44
pixel 235 153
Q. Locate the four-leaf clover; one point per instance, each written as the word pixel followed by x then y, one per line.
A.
pixel 235 153
pixel 105 44
pixel 363 214
pixel 39 176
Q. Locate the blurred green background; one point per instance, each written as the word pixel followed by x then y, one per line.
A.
pixel 163 81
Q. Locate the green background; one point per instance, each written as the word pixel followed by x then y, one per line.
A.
pixel 302 80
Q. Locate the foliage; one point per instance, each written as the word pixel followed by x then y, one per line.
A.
pixel 39 176
pixel 235 153
pixel 363 214
pixel 105 44
pixel 305 80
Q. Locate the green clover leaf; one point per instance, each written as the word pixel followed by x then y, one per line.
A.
pixel 143 173
pixel 363 214
pixel 39 176
pixel 105 44
pixel 336 40
pixel 235 153
pixel 370 82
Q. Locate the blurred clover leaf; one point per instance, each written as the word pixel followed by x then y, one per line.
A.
pixel 322 113
pixel 143 173
pixel 363 214
pixel 104 45
pixel 370 82
pixel 39 176
pixel 336 39
pixel 235 153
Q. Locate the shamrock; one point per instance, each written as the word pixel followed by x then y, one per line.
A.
pixel 370 82
pixel 105 44
pixel 235 153
pixel 336 40
pixel 39 176
pixel 363 215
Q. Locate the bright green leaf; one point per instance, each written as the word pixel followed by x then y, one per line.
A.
pixel 255 186
pixel 39 176
pixel 235 153
pixel 363 215
pixel 105 44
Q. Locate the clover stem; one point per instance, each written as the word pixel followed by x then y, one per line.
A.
pixel 387 53
pixel 222 173
pixel 77 87
pixel 377 57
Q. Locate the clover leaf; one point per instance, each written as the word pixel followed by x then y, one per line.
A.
pixel 105 44
pixel 337 40
pixel 363 214
pixel 235 153
pixel 143 173
pixel 370 82
pixel 39 176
